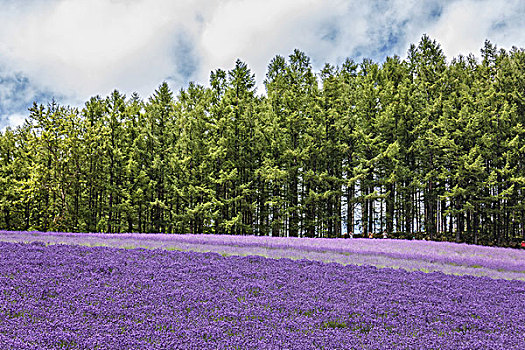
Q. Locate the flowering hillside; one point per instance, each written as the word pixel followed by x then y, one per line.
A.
pixel 76 297
pixel 426 256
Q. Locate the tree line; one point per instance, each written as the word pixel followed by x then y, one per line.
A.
pixel 419 147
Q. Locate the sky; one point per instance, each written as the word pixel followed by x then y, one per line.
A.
pixel 70 50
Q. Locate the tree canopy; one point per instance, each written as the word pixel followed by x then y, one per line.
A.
pixel 419 147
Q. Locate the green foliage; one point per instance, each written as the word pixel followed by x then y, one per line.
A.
pixel 417 148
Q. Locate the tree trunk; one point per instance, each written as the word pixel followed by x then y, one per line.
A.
pixel 390 188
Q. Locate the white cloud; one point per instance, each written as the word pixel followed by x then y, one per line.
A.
pixel 465 24
pixel 88 47
pixel 255 31
pixel 328 31
pixel 14 120
pixel 81 48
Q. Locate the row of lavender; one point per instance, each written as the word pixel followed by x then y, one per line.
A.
pixel 425 256
pixel 75 297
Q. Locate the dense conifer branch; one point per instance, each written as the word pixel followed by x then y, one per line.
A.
pixel 417 148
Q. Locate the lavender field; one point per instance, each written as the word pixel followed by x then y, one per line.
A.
pixel 72 296
pixel 75 297
pixel 425 256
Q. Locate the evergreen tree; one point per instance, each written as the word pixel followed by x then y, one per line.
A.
pixel 417 148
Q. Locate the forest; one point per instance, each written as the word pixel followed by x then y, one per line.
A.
pixel 419 148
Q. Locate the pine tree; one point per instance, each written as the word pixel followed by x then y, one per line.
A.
pixel 159 143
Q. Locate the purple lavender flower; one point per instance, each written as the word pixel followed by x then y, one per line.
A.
pixel 450 258
pixel 75 297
